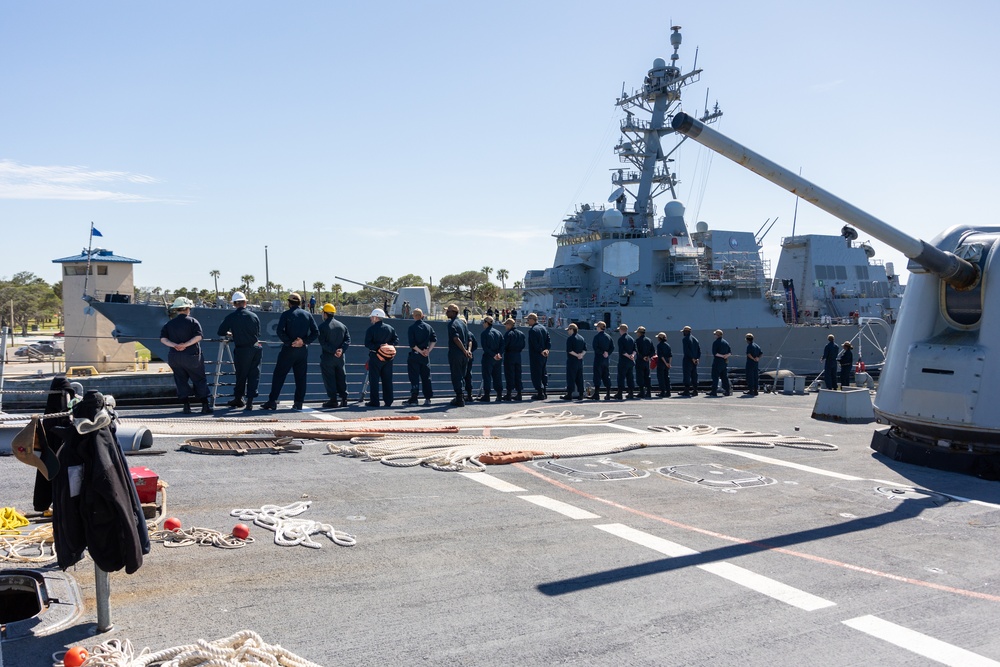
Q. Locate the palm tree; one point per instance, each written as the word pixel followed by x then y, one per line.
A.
pixel 502 276
pixel 215 274
pixel 336 289
pixel 318 286
pixel 518 284
pixel 247 281
pixel 487 270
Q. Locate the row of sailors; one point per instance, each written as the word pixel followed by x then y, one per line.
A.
pixel 500 358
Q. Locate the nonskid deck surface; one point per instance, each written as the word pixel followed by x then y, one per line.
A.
pixel 671 556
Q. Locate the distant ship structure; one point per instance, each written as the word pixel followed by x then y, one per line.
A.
pixel 627 262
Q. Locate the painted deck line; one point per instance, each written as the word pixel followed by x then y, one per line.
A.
pixel 916 642
pixel 786 464
pixel 734 573
pixel 562 508
pixel 492 482
pixel 762 545
pixel 767 586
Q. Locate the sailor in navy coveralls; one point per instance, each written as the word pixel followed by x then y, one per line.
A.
pixel 296 329
pixel 183 335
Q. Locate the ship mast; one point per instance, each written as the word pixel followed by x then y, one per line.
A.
pixel 641 144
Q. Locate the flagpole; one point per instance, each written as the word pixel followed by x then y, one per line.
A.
pixel 90 245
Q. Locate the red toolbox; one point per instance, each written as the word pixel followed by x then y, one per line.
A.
pixel 145 484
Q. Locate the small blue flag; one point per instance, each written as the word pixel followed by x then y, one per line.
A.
pixel 94 232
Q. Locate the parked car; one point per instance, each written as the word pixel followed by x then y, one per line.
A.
pixel 40 348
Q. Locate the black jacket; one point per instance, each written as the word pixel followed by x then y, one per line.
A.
pixel 95 506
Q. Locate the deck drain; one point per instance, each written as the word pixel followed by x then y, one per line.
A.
pixel 34 603
pixel 591 469
pixel 242 445
pixel 715 476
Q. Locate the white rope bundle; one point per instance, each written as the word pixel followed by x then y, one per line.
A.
pixel 185 537
pixel 290 532
pixel 36 546
pixel 195 425
pixel 244 648
pixel 461 453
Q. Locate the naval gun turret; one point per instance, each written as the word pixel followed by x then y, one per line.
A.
pixel 936 391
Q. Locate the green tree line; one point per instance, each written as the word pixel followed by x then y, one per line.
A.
pixel 29 298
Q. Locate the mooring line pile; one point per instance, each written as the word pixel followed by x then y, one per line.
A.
pixel 375 424
pixel 35 546
pixel 244 648
pixel 469 453
pixel 290 532
pixel 206 537
pixel 521 418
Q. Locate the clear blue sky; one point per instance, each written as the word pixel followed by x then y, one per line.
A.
pixel 367 139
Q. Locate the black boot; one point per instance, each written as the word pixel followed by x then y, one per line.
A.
pixel 485 398
pixel 413 399
pixel 458 401
pixel 206 407
pixel 343 401
pixel 596 396
pixel 607 396
pixel 187 407
pixel 618 396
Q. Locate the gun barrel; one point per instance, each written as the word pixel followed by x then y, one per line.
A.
pixel 954 270
pixel 366 285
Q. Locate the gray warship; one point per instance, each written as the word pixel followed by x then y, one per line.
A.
pixel 630 261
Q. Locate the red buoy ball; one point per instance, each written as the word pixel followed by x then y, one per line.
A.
pixel 75 656
pixel 171 524
pixel 241 531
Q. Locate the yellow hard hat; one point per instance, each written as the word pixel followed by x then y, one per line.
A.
pixel 329 308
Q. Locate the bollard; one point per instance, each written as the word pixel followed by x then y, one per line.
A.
pixel 103 593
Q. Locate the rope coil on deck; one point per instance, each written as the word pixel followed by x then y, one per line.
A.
pixel 243 648
pixel 290 532
pixel 462 453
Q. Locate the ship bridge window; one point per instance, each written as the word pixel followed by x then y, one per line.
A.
pixel 841 272
pixel 862 271
pixel 821 272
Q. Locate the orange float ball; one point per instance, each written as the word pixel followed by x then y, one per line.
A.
pixel 173 523
pixel 241 530
pixel 75 656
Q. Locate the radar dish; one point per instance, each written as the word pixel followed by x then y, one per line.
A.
pixel 616 194
pixel 849 233
pixel 869 251
pixel 621 259
pixel 702 227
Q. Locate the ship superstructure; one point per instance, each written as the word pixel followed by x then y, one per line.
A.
pixel 634 261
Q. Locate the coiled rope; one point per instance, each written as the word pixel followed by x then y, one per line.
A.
pixel 290 532
pixel 244 648
pixel 531 417
pixel 206 537
pixel 35 546
pixel 461 453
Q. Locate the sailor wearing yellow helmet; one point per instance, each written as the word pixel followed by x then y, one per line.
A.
pixel 334 339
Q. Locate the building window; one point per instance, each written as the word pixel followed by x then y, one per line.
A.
pixel 102 270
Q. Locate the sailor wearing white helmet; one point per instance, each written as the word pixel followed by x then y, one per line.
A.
pixel 296 329
pixel 183 334
pixel 381 340
pixel 242 326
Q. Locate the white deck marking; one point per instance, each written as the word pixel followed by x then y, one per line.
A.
pixel 921 644
pixel 728 571
pixel 492 482
pixel 767 586
pixel 786 464
pixel 563 508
